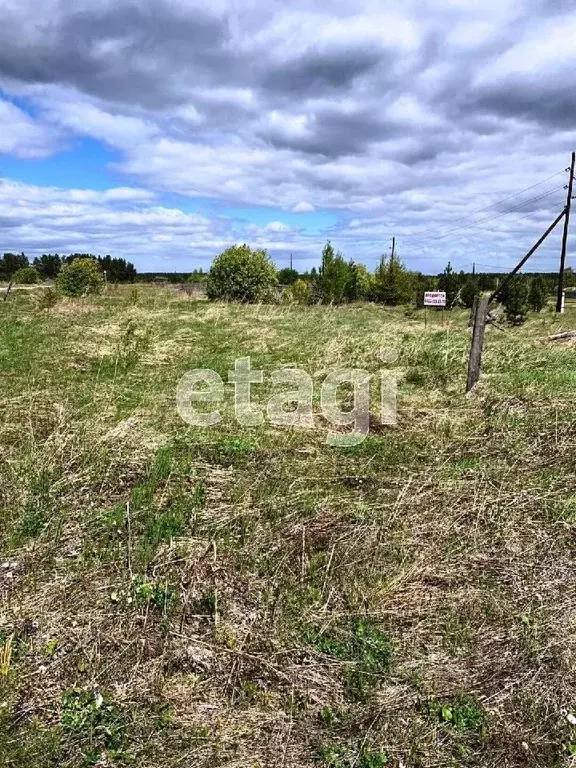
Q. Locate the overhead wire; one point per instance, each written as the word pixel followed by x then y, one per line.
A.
pixel 463 237
pixel 503 200
pixel 491 218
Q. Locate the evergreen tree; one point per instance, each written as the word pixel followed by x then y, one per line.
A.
pixel 11 263
pixel 449 282
pixel 469 291
pixel 422 283
pixel 287 276
pixel 334 275
pixel 487 281
pixel 538 295
pixel 516 300
pixel 393 284
pixel 358 284
pixel 48 265
pixel 117 270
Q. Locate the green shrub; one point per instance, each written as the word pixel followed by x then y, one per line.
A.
pixel 392 284
pixel 26 276
pixel 287 276
pixel 469 291
pixel 334 276
pixel 298 293
pixel 45 298
pixel 449 282
pixel 81 277
pixel 241 274
pixel 538 295
pixel 516 300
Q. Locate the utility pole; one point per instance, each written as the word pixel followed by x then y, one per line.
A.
pixel 290 261
pixel 483 301
pixel 518 267
pixel 393 247
pixel 559 302
pixel 473 268
pixel 479 312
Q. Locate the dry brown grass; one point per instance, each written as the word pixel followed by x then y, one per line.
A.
pixel 258 598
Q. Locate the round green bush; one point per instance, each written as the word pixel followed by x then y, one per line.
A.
pixel 241 274
pixel 26 276
pixel 298 293
pixel 81 277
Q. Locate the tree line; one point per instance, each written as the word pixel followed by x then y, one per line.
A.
pixel 17 267
pixel 243 274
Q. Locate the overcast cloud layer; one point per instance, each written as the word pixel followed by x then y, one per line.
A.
pixel 284 125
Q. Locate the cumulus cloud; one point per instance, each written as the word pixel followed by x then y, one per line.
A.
pixel 303 207
pixel 21 136
pixel 122 220
pixel 399 119
pixel 129 221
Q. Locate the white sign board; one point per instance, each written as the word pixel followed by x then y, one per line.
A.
pixel 434 299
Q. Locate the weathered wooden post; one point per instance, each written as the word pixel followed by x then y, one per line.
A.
pixel 479 313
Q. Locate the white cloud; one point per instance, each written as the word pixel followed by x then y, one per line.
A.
pixel 277 226
pixel 545 50
pixel 303 207
pixel 22 136
pixel 405 116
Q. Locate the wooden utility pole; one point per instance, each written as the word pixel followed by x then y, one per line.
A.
pixel 393 247
pixel 523 261
pixel 481 304
pixel 559 302
pixel 479 313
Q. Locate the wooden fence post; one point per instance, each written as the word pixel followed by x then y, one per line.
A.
pixel 479 312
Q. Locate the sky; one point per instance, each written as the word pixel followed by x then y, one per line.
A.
pixel 163 131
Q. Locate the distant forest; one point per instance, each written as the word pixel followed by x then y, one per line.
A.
pixel 335 276
pixel 49 265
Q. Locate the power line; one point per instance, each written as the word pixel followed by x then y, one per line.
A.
pixel 503 200
pixel 462 238
pixel 458 239
pixel 491 218
pixel 501 213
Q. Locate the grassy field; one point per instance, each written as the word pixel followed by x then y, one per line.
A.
pixel 241 597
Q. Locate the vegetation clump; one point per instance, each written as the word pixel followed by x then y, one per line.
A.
pixel 298 292
pixel 26 276
pixel 241 274
pixel 81 277
pixel 538 294
pixel 516 300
